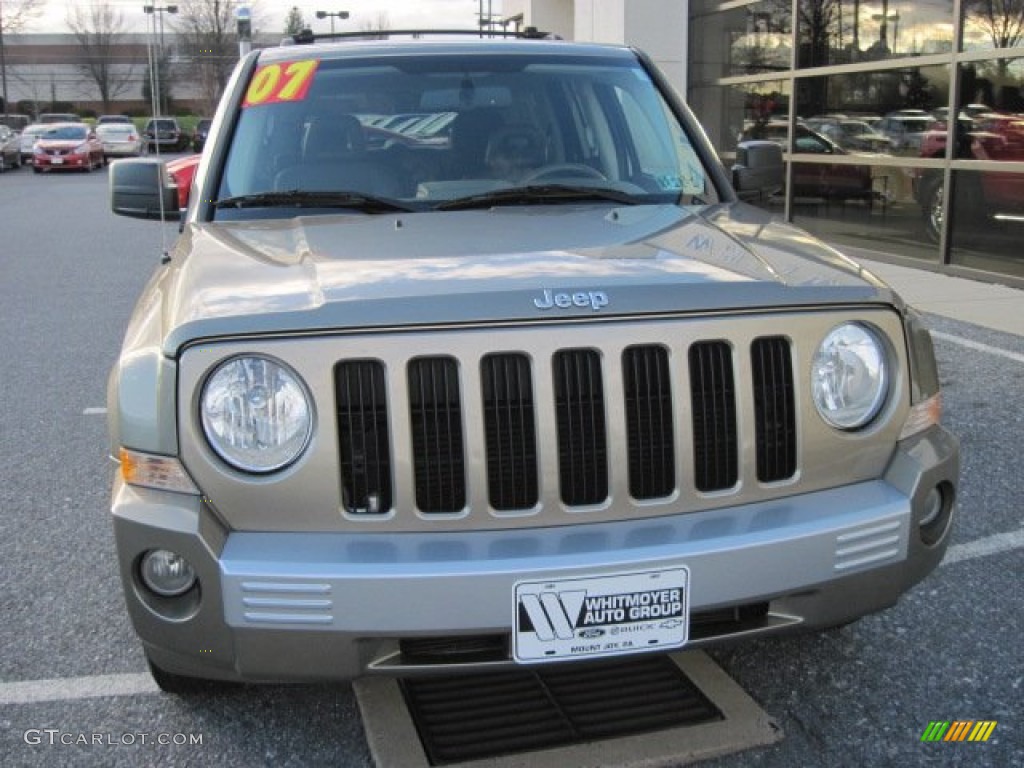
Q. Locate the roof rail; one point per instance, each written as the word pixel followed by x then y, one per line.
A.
pixel 307 36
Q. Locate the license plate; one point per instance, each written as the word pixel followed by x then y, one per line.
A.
pixel 56 160
pixel 601 616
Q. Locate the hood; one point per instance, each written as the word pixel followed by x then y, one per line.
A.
pixel 506 264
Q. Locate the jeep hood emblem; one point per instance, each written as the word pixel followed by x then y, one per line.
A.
pixel 593 299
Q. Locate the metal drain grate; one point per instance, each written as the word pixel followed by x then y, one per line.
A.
pixel 487 715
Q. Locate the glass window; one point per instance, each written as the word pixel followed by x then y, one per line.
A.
pixel 735 112
pixel 896 111
pixel 996 85
pixel 987 222
pixel 876 207
pixel 755 37
pixel 834 32
pixel 989 24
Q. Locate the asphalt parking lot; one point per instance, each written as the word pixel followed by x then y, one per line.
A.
pixel 952 650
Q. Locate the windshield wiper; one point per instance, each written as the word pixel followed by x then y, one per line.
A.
pixel 541 193
pixel 297 198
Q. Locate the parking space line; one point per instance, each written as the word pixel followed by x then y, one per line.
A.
pixel 990 545
pixel 94 411
pixel 74 688
pixel 978 346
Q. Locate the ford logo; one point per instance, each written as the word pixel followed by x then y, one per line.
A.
pixel 593 299
pixel 590 634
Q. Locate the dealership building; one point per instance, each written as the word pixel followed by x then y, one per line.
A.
pixel 860 94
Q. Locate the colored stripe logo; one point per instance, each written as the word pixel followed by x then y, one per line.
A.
pixel 958 730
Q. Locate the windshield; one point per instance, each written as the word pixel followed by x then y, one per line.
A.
pixel 428 130
pixel 66 132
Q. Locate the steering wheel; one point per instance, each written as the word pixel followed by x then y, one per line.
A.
pixel 571 170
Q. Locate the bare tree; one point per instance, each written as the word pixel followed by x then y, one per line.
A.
pixel 208 36
pixel 818 21
pixel 12 19
pixel 100 31
pixel 1001 20
pixel 14 14
pixel 377 29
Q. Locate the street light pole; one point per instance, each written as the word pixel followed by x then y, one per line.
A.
pixel 3 60
pixel 159 10
pixel 332 15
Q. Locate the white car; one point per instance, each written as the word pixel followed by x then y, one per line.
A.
pixel 121 140
pixel 28 139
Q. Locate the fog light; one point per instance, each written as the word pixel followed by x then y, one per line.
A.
pixel 932 507
pixel 167 573
pixel 937 514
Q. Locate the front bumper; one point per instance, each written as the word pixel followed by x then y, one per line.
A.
pixel 62 162
pixel 281 606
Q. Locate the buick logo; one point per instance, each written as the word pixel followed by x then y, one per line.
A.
pixel 593 299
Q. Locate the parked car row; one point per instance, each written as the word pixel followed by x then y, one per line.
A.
pixel 76 145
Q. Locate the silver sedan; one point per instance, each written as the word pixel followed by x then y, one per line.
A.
pixel 120 140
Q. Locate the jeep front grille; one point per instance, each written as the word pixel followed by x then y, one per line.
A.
pixel 650 396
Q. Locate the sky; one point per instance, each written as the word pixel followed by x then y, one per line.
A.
pixel 402 14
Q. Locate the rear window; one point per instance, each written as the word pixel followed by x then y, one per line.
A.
pixel 115 129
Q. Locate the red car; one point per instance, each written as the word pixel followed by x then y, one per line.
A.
pixel 182 170
pixel 981 197
pixel 67 146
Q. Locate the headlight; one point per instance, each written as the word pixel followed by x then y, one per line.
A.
pixel 256 414
pixel 849 377
pixel 81 149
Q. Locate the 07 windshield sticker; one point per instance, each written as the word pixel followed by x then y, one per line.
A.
pixel 277 83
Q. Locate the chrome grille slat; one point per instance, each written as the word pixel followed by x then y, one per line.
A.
pixel 580 418
pixel 648 407
pixel 511 448
pixel 713 397
pixel 436 427
pixel 365 453
pixel 775 427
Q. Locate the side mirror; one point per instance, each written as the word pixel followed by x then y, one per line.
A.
pixel 759 170
pixel 141 188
